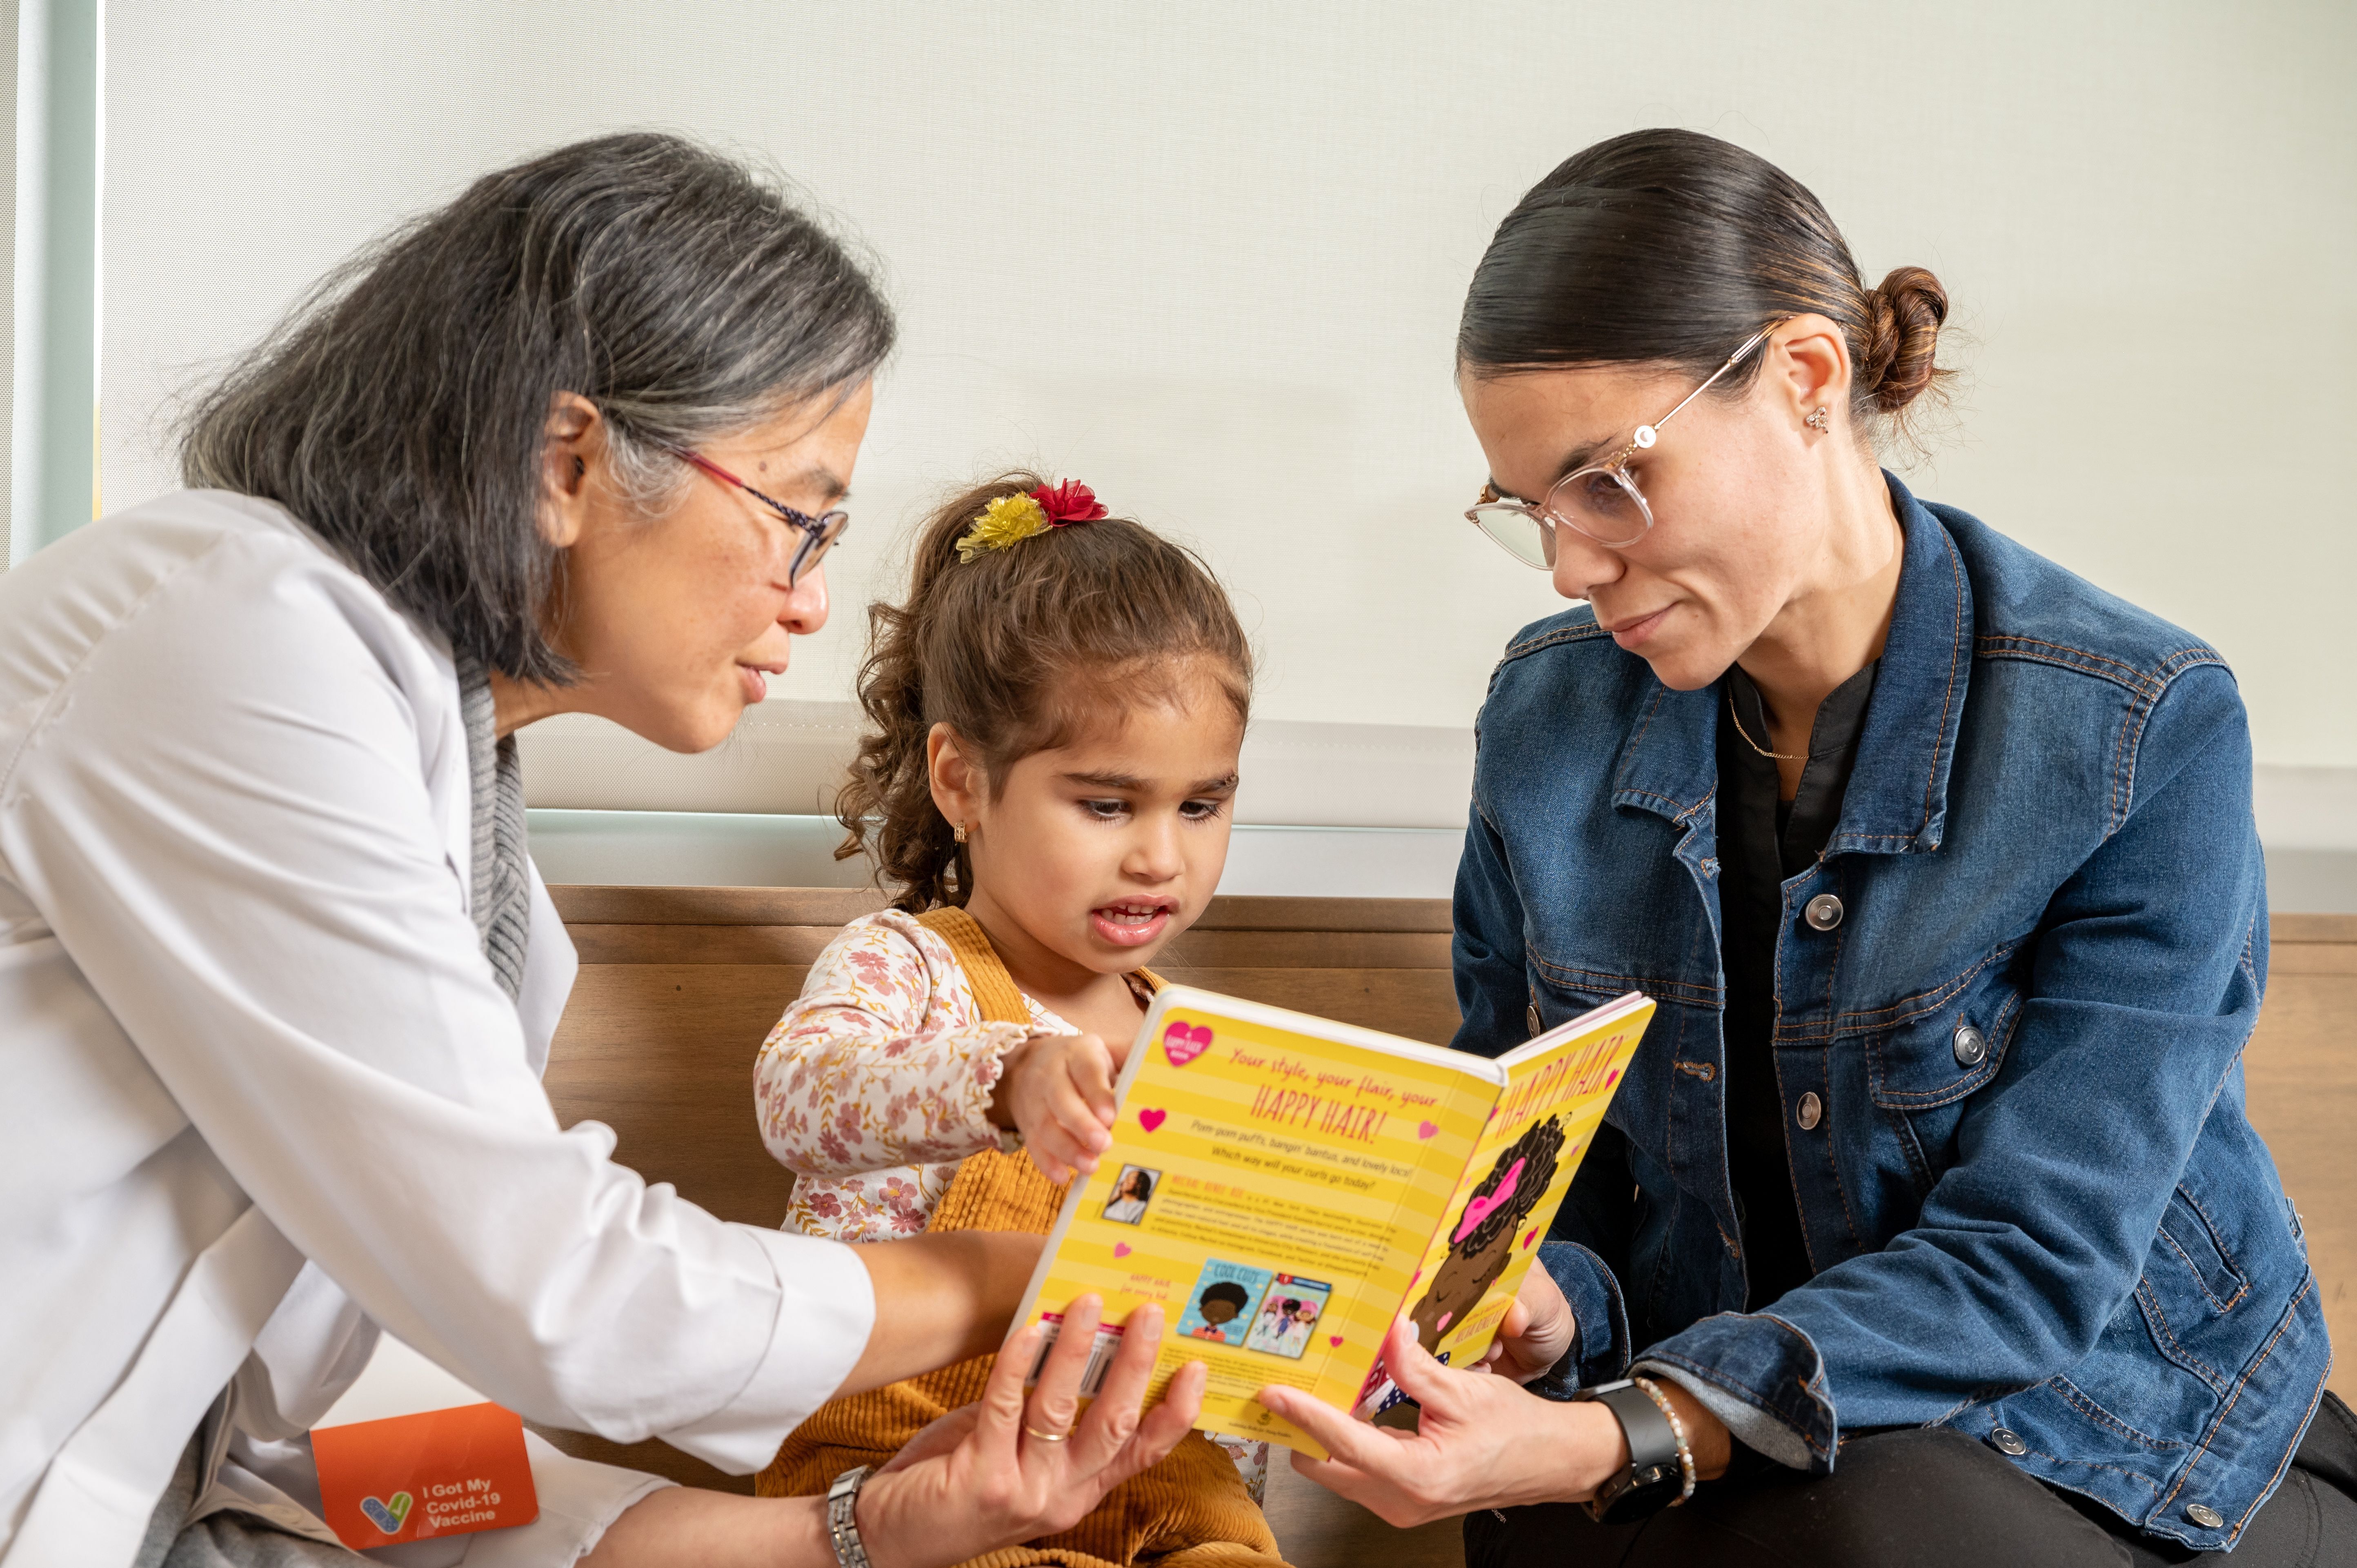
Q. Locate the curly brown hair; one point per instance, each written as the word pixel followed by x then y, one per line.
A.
pixel 1537 1151
pixel 1017 650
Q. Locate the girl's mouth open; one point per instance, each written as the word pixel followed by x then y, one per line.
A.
pixel 754 682
pixel 1133 922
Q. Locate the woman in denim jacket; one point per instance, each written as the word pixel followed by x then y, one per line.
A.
pixel 1929 1221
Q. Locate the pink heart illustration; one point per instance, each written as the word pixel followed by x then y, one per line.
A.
pixel 1150 1119
pixel 1182 1042
pixel 1530 1238
pixel 1480 1209
pixel 1121 1249
pixel 1426 1130
pixel 1333 1340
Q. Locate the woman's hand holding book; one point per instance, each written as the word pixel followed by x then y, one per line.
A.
pixel 1537 1331
pixel 1479 1441
pixel 1007 1469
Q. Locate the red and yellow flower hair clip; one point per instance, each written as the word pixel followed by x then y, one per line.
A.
pixel 1009 520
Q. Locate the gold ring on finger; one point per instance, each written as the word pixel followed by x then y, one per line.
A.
pixel 1047 1436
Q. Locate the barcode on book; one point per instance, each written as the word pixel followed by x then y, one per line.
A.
pixel 1101 1353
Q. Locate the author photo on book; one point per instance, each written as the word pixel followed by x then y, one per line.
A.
pixel 1131 1193
pixel 1927 1227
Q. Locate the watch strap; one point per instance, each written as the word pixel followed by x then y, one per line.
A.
pixel 842 1521
pixel 1653 1478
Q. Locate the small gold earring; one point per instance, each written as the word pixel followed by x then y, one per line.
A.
pixel 1817 422
pixel 958 832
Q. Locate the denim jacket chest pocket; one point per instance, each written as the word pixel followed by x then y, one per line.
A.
pixel 1928 1055
pixel 1935 1054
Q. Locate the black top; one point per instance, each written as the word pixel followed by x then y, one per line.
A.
pixel 1763 840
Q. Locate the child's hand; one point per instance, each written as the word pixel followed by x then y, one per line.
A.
pixel 1057 1090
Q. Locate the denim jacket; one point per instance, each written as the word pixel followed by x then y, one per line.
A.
pixel 2059 1234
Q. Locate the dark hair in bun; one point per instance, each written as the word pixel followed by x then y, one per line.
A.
pixel 1909 308
pixel 1673 247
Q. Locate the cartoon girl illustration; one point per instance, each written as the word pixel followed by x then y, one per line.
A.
pixel 1484 1239
pixel 1299 1317
pixel 1219 1307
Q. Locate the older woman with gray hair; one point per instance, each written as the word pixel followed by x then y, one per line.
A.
pixel 277 977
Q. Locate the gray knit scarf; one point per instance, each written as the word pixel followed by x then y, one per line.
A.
pixel 502 887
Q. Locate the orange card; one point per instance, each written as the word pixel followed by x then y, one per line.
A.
pixel 413 1477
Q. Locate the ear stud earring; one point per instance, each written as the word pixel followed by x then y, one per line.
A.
pixel 1818 423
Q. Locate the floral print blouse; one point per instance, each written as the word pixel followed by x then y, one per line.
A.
pixel 875 1084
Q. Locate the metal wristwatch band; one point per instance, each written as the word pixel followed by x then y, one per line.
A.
pixel 842 1523
pixel 1653 1478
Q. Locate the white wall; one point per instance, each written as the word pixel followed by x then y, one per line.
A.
pixel 1209 257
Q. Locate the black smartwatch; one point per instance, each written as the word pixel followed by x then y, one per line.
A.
pixel 1652 1480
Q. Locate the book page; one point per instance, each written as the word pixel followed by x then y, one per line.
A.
pixel 1521 1166
pixel 1271 1189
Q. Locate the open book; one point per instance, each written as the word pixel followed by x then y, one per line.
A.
pixel 1286 1187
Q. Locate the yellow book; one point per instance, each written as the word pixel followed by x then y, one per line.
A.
pixel 1285 1187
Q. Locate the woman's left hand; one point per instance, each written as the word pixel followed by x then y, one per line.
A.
pixel 1481 1442
pixel 1011 1468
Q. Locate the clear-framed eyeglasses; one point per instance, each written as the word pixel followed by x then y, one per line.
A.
pixel 815 536
pixel 1601 501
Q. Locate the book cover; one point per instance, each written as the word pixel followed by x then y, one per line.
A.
pixel 1521 1170
pixel 1284 1186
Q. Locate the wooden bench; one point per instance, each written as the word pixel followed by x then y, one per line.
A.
pixel 679 985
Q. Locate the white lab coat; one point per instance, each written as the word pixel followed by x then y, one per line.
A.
pixel 247 1034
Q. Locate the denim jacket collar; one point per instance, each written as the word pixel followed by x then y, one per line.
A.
pixel 1898 796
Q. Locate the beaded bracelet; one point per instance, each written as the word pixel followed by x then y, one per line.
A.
pixel 1677 1430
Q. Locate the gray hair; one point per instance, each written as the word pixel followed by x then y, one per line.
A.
pixel 400 410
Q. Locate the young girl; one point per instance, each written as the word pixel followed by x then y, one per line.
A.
pixel 1056 713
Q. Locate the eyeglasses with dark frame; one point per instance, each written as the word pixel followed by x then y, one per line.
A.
pixel 818 533
pixel 1601 500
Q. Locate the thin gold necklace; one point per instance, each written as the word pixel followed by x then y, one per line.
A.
pixel 1773 755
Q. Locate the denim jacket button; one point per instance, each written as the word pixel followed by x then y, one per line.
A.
pixel 1823 912
pixel 1811 1112
pixel 2204 1515
pixel 2004 1440
pixel 1972 1047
